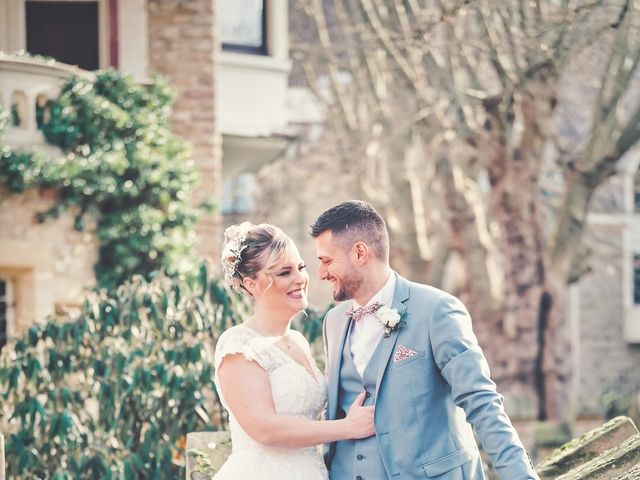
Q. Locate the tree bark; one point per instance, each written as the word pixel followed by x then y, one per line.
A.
pixel 514 153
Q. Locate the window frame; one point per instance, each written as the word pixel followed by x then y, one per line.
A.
pixel 635 286
pixel 9 301
pixel 261 49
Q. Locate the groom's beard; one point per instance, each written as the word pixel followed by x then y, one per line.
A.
pixel 348 288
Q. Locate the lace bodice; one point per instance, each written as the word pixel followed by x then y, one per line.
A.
pixel 295 392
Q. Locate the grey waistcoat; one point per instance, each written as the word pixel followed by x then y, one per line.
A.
pixel 357 459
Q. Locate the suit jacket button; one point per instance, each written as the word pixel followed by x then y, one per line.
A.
pixel 360 456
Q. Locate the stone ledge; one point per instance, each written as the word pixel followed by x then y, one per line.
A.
pixel 586 447
pixel 206 452
pixel 612 464
pixel 633 474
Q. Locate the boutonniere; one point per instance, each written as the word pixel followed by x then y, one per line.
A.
pixel 390 319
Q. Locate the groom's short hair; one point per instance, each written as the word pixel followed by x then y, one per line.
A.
pixel 355 221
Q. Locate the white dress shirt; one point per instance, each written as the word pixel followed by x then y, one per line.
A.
pixel 367 332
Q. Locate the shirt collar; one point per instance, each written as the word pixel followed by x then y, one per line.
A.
pixel 384 295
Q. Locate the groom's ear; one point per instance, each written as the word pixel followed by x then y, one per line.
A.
pixel 360 252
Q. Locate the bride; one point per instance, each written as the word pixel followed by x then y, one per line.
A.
pixel 265 374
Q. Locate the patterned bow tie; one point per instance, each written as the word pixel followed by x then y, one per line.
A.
pixel 357 313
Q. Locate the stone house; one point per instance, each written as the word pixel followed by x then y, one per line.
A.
pixel 604 306
pixel 228 61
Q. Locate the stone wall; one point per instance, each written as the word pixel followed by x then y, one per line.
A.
pixel 48 264
pixel 183 47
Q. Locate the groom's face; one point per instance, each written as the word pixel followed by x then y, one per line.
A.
pixel 337 267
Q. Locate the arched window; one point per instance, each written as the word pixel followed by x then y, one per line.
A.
pixel 19 109
pixel 42 110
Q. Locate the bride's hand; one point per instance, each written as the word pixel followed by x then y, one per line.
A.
pixel 360 419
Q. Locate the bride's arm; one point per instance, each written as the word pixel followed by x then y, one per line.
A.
pixel 247 393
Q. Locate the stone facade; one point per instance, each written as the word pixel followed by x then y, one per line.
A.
pixel 183 47
pixel 47 264
pixel 602 354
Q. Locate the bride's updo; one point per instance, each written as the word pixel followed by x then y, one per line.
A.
pixel 248 249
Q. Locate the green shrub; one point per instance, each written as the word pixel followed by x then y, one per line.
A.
pixel 111 391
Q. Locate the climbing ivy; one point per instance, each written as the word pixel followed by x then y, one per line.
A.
pixel 121 164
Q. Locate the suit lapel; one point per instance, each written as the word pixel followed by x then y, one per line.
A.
pixel 335 364
pixel 400 295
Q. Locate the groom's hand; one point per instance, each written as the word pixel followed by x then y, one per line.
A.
pixel 360 418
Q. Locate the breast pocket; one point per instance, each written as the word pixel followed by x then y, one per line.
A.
pixel 408 361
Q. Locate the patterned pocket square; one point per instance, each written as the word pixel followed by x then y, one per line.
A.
pixel 403 352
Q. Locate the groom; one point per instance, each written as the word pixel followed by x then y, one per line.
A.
pixel 411 347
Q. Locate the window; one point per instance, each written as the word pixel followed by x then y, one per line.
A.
pixel 237 195
pixel 19 109
pixel 636 279
pixel 66 31
pixel 243 25
pixel 6 305
pixel 636 192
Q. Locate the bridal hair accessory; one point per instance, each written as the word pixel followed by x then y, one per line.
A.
pixel 235 243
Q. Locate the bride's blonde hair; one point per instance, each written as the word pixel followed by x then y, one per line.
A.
pixel 249 249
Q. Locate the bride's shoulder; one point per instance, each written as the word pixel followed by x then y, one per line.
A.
pixel 253 346
pixel 243 338
pixel 237 339
pixel 238 334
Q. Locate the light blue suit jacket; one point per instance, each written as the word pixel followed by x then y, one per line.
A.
pixel 427 403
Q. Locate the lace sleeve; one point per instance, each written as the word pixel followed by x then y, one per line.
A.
pixel 253 347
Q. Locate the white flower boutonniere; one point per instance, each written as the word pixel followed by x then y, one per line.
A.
pixel 390 319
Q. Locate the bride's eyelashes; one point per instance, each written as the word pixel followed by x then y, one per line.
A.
pixel 287 271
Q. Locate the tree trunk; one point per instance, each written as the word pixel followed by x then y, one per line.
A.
pixel 517 332
pixel 514 139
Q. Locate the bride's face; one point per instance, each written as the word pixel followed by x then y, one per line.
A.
pixel 284 285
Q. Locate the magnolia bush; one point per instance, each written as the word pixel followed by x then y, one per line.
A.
pixel 111 391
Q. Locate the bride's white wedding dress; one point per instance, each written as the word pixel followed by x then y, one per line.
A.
pixel 294 391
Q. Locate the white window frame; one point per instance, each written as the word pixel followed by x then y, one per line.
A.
pixel 263 48
pixel 631 247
